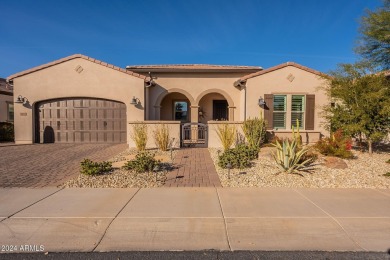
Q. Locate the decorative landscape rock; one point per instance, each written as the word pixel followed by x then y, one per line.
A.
pixel 266 152
pixel 120 178
pixel 363 172
pixel 335 163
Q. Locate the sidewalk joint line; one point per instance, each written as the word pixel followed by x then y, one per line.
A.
pixel 224 220
pixel 115 217
pixel 333 218
pixel 32 204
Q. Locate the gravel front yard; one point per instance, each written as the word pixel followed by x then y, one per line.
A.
pixel 120 178
pixel 363 172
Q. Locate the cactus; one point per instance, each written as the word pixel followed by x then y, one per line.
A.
pixel 287 156
pixel 297 134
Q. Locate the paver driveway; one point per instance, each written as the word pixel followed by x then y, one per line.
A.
pixel 43 165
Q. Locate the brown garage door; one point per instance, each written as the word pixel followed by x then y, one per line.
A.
pixel 81 120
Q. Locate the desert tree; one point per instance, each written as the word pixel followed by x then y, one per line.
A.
pixel 374 42
pixel 360 102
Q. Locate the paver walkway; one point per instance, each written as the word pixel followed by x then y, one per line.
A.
pixel 193 168
pixel 44 165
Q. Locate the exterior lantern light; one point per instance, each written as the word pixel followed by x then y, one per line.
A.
pixel 134 101
pixel 261 102
pixel 21 100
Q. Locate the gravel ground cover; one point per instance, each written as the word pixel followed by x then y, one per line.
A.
pixel 364 171
pixel 120 178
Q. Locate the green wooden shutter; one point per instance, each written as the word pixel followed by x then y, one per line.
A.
pixel 310 112
pixel 269 110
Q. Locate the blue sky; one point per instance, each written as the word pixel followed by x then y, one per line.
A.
pixel 315 33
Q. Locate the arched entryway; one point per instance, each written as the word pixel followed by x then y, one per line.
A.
pixel 80 120
pixel 215 104
pixel 173 105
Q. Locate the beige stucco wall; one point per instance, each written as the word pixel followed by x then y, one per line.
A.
pixel 62 81
pixel 174 132
pixel 4 108
pixel 276 82
pixel 214 140
pixel 195 86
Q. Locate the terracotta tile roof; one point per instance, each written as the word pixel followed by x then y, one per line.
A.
pixel 283 65
pixel 75 56
pixel 193 66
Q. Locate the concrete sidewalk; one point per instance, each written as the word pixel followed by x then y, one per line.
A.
pixel 194 219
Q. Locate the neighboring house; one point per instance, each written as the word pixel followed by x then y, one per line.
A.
pixel 6 102
pixel 80 99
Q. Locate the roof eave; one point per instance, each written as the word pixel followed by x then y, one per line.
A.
pixel 75 56
pixel 281 66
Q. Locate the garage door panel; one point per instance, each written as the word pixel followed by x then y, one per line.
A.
pixel 82 120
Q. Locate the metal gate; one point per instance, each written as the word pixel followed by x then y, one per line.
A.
pixel 194 135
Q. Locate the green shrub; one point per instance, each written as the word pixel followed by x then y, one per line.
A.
pixel 144 161
pixel 89 167
pixel 140 136
pixel 388 161
pixel 337 145
pixel 161 137
pixel 387 174
pixel 227 135
pixel 6 132
pixel 289 158
pixel 255 131
pixel 239 157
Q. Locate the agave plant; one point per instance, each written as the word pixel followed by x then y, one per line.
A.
pixel 287 156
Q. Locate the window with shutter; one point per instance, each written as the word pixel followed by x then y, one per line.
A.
pixel 310 112
pixel 279 111
pixel 297 110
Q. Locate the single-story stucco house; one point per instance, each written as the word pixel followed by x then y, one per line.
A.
pixel 81 99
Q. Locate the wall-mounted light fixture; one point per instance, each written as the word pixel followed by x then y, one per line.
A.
pixel 261 102
pixel 21 100
pixel 134 101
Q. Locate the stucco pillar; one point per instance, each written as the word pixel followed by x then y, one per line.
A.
pixel 231 113
pixel 157 110
pixel 194 114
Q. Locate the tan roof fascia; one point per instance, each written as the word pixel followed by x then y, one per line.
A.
pixel 76 56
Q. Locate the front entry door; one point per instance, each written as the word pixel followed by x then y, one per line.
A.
pixel 220 110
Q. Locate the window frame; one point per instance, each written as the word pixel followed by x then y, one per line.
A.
pixel 174 110
pixel 302 112
pixel 288 111
pixel 280 112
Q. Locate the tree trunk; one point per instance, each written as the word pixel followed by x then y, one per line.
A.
pixel 369 146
